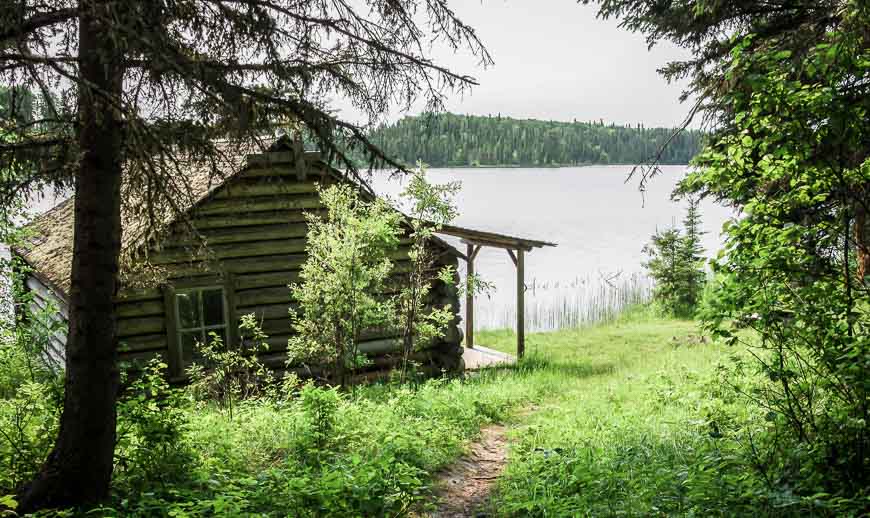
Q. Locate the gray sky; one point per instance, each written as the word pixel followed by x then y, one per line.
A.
pixel 555 60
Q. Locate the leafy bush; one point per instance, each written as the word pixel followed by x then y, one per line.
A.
pixel 794 266
pixel 343 280
pixel 31 390
pixel 152 450
pixel 226 375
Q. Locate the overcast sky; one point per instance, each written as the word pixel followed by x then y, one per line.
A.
pixel 555 60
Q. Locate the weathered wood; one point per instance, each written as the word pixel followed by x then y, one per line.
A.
pixel 277 326
pixel 240 234
pixel 262 280
pixel 229 251
pixel 142 343
pixel 243 188
pixel 144 308
pixel 265 312
pixel 266 263
pixel 521 298
pixel 173 354
pixel 469 297
pixel 231 300
pixel 140 326
pixel 144 356
pixel 259 204
pixel 252 219
pixel 138 294
pixel 47 295
pixel 263 296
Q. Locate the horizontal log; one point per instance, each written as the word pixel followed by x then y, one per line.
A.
pixel 140 357
pixel 240 234
pixel 142 308
pixel 377 347
pixel 259 204
pixel 142 343
pixel 229 251
pixel 137 294
pixel 264 186
pixel 266 312
pixel 262 280
pixel 262 296
pixel 278 343
pixel 238 265
pixel 277 326
pixel 259 218
pixel 264 167
pixel 140 326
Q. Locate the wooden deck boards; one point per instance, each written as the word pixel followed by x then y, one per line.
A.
pixel 480 357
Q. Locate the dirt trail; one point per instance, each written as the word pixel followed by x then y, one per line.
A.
pixel 464 487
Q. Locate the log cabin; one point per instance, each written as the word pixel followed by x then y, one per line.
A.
pixel 238 246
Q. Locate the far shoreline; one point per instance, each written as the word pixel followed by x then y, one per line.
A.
pixel 513 166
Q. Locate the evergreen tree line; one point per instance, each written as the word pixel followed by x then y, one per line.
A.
pixel 449 140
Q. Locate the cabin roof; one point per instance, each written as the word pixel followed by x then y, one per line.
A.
pixel 49 248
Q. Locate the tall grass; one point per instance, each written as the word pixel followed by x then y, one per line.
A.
pixel 575 303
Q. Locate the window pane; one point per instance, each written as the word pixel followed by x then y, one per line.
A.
pixel 213 307
pixel 188 310
pixel 188 344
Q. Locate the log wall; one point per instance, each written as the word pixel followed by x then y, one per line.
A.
pixel 256 234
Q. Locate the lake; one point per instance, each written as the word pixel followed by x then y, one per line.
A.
pixel 600 223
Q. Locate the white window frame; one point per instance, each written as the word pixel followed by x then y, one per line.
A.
pixel 204 329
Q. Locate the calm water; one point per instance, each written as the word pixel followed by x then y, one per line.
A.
pixel 599 222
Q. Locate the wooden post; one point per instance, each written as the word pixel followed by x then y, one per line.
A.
pixel 469 297
pixel 521 294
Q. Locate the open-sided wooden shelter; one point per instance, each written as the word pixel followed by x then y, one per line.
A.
pixel 254 227
pixel 516 247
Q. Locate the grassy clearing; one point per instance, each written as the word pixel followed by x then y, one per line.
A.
pixel 634 429
pixel 620 426
pixel 617 429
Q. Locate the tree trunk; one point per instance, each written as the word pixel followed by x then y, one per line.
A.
pixel 862 237
pixel 79 468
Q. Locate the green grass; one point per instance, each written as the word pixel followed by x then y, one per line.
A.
pixel 633 430
pixel 613 419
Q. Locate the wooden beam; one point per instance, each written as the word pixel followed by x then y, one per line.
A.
pixel 513 257
pixel 469 297
pixel 521 295
pixel 496 244
pixel 474 254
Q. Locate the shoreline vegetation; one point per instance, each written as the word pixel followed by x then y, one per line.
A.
pixel 547 166
pixel 459 141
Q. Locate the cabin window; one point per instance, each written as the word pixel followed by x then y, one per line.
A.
pixel 198 313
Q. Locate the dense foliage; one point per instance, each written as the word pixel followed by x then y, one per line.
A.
pixel 788 86
pixel 676 264
pixel 448 140
pixel 343 280
pixel 792 268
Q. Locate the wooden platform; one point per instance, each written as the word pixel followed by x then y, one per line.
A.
pixel 480 357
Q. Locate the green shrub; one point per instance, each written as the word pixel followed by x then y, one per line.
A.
pixel 153 451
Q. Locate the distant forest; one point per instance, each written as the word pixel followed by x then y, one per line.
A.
pixel 449 140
